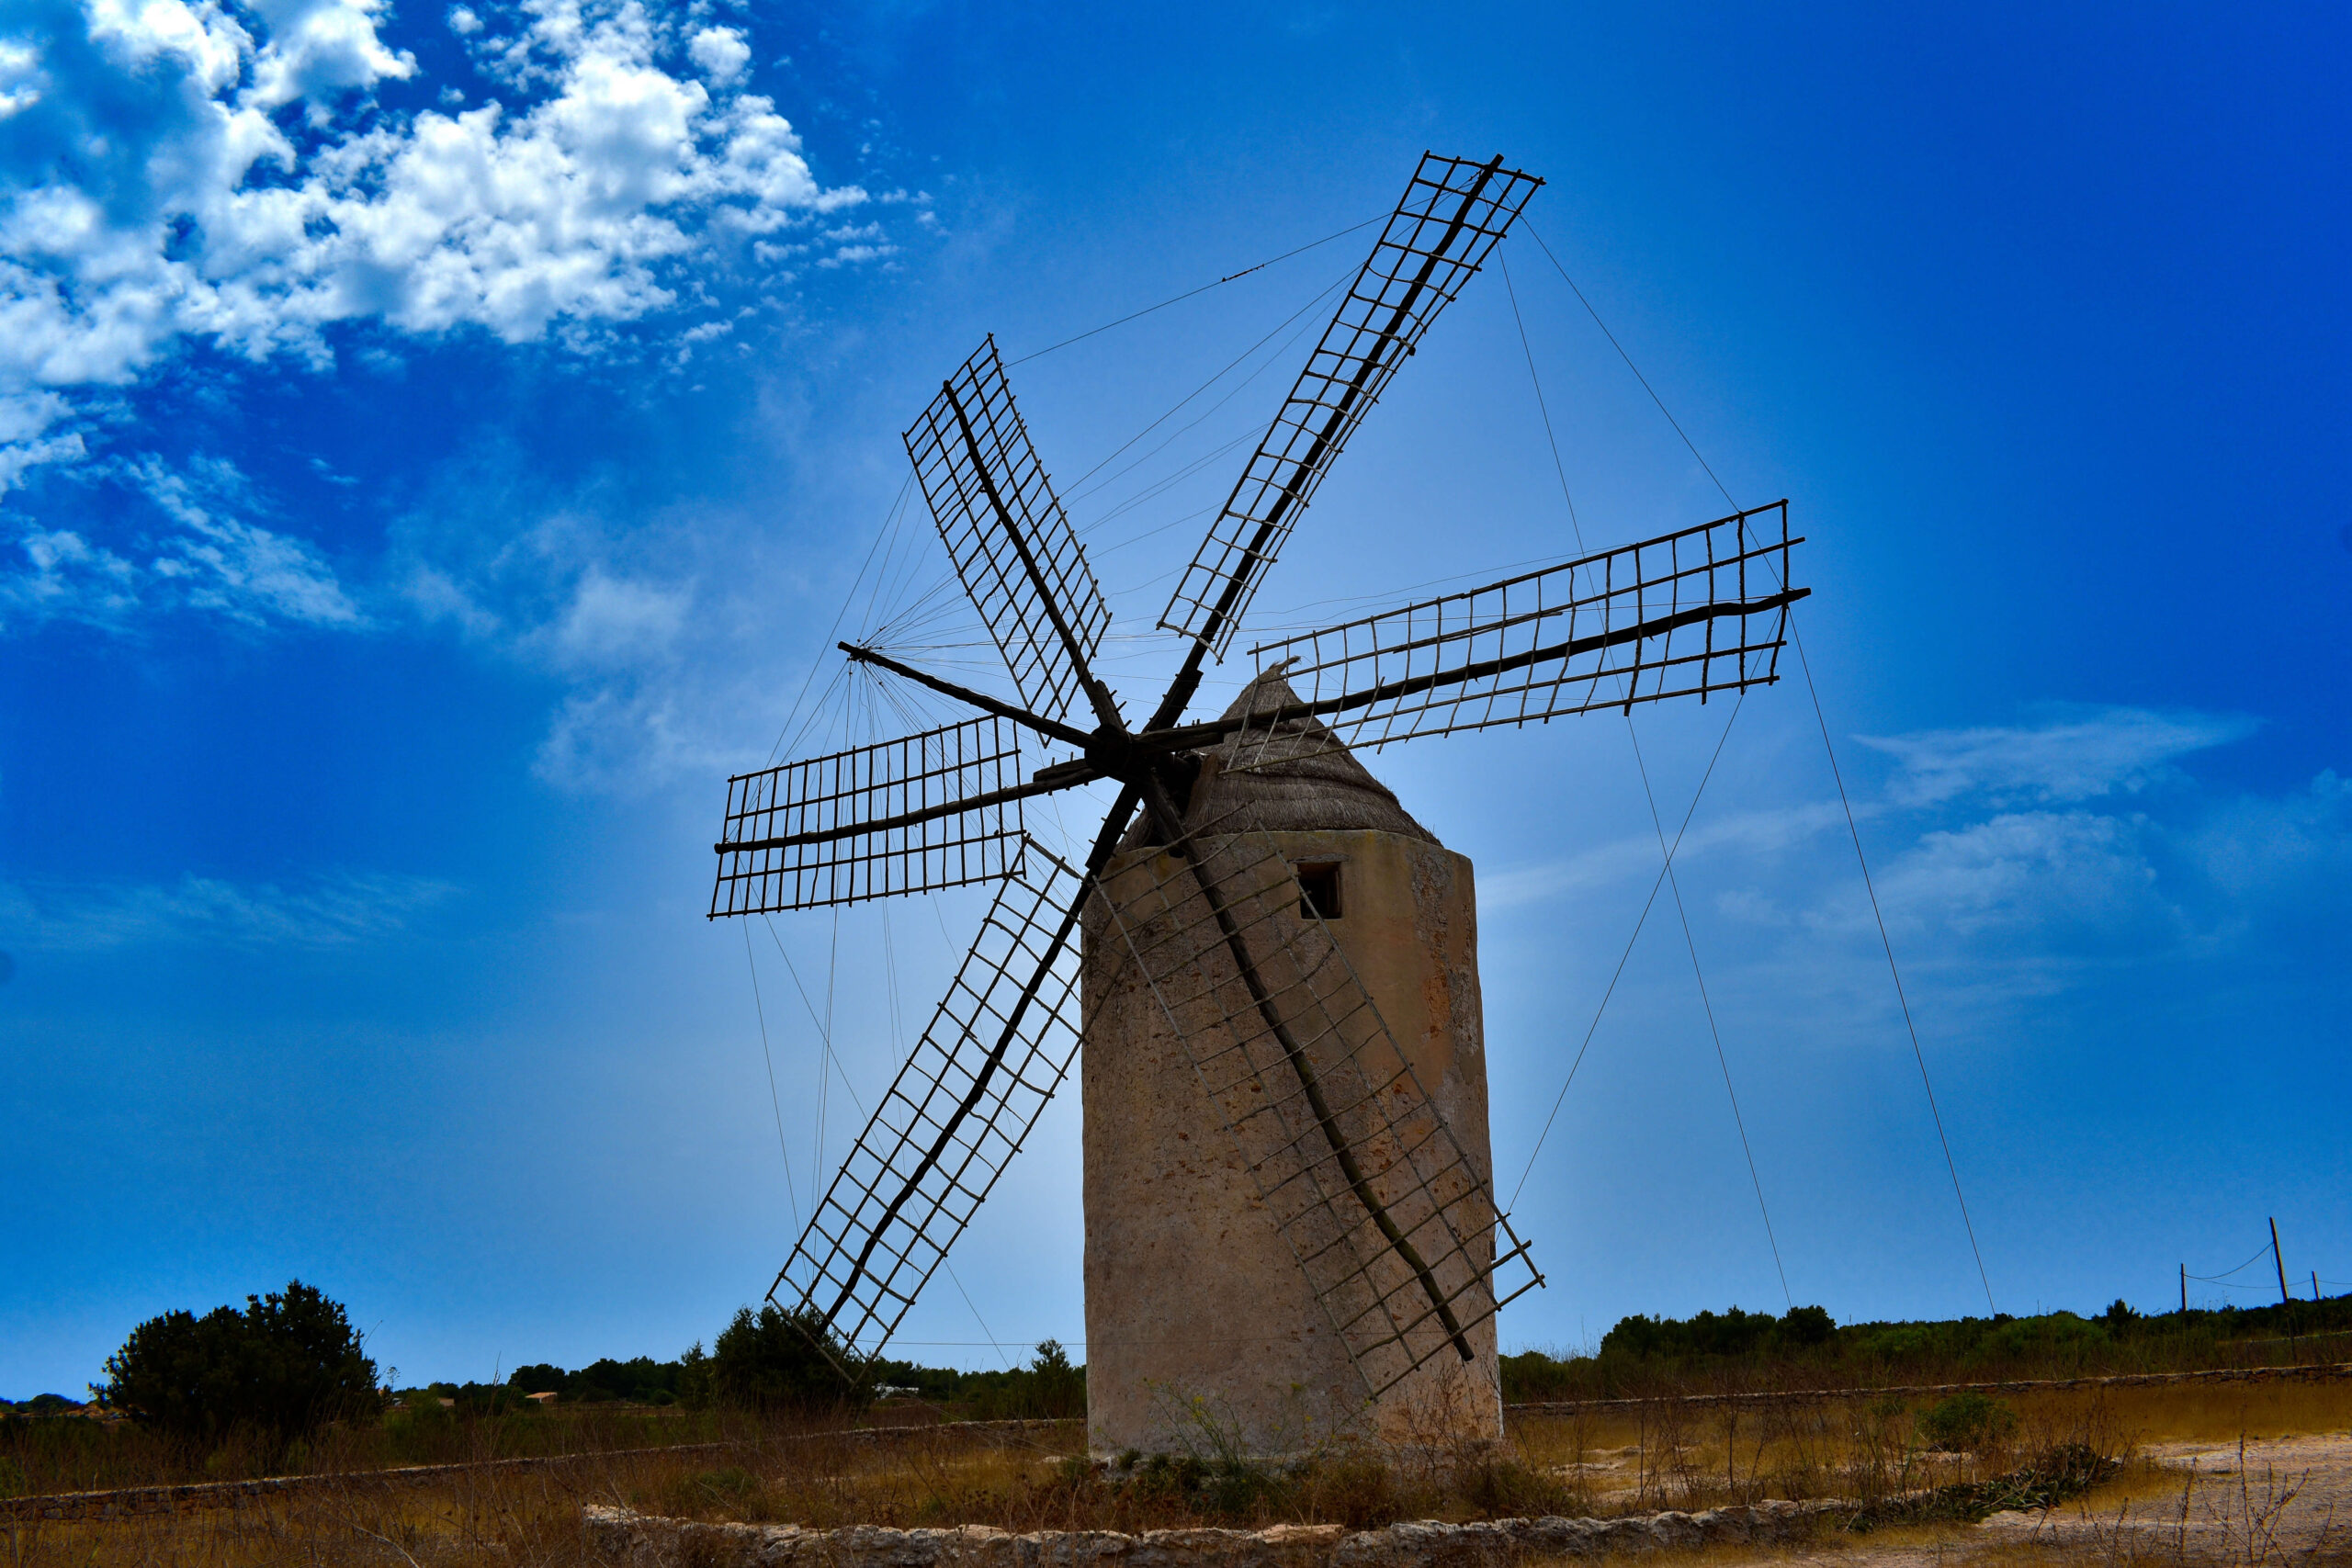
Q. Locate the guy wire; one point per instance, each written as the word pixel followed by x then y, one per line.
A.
pixel 1541 407
pixel 897 508
pixel 976 1313
pixel 1674 885
pixel 775 1102
pixel 1666 872
pixel 825 1041
pixel 1853 832
pixel 1617 974
pixel 1887 943
pixel 1177 299
pixel 859 1101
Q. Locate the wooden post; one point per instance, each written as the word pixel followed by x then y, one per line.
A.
pixel 2283 1297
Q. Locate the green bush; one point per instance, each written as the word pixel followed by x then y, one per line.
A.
pixel 2058 1340
pixel 1968 1422
pixel 277 1368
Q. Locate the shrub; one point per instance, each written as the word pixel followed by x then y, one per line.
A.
pixel 2052 1340
pixel 280 1367
pixel 781 1360
pixel 640 1379
pixel 1968 1422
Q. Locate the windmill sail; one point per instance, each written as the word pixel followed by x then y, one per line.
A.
pixel 1390 1215
pixel 1012 544
pixel 1452 213
pixel 1687 614
pixel 937 810
pixel 958 1111
pixel 1394 1226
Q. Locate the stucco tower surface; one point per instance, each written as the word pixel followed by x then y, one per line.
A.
pixel 1196 1309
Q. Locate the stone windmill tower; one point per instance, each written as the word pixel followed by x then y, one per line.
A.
pixel 1254 905
pixel 1196 1310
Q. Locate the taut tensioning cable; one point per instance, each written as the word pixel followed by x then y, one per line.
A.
pixel 1837 774
pixel 1203 289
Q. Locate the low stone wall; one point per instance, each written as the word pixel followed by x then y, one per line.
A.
pixel 647 1541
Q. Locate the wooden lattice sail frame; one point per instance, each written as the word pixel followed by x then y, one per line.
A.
pixel 1396 1231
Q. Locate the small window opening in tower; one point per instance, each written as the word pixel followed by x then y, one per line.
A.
pixel 1318 888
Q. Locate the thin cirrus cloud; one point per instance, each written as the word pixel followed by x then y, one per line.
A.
pixel 206 557
pixel 184 173
pixel 621 608
pixel 1637 859
pixel 2040 840
pixel 336 911
pixel 2067 758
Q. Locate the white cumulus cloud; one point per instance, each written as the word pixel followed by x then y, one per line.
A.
pixel 318 48
pixel 721 52
pixel 21 78
pixel 585 198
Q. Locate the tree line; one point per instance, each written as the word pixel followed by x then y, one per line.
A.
pixel 288 1361
pixel 1807 1345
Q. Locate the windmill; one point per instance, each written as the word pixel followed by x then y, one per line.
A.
pixel 1390 1220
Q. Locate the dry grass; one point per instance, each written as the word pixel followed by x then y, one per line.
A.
pixel 1625 1461
pixel 1676 1455
pixel 2220 1411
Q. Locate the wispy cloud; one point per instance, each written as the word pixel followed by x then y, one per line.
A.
pixel 220 562
pixel 341 910
pixel 616 621
pixel 1753 832
pixel 2075 757
pixel 2009 863
pixel 203 554
pixel 570 583
pixel 2060 881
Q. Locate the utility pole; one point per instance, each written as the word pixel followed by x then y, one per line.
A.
pixel 2281 1262
pixel 2184 1290
pixel 2315 1295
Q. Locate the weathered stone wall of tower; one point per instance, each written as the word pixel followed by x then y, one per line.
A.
pixel 1197 1313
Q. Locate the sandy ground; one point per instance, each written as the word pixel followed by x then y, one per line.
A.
pixel 2285 1501
pixel 2266 1500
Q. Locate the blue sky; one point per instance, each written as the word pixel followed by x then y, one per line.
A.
pixel 438 441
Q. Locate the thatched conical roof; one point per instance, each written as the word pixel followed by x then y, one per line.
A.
pixel 1301 779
